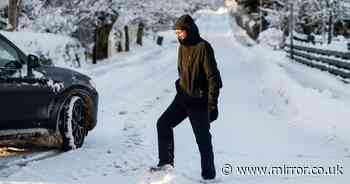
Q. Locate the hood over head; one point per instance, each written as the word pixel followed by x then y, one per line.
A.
pixel 185 22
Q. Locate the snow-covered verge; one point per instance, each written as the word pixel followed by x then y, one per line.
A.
pixel 238 32
pixel 272 112
pixel 272 37
pixel 58 50
pixel 248 22
pixel 275 39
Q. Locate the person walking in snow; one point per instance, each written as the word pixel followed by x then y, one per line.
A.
pixel 197 95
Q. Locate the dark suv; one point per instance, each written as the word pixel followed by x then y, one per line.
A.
pixel 43 101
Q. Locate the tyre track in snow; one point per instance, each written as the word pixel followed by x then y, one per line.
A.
pixel 11 164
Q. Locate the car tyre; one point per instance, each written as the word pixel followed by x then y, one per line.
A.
pixel 73 123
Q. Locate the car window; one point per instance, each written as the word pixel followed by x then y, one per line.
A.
pixel 7 54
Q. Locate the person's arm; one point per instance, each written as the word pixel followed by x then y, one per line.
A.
pixel 213 76
pixel 177 81
pixel 179 56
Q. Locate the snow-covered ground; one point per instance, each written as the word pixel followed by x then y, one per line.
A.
pixel 272 112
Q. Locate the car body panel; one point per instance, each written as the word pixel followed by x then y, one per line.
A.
pixel 31 99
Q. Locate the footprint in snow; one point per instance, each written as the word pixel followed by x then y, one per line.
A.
pixel 123 112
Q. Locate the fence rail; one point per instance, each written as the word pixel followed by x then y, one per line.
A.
pixel 339 64
pixel 309 39
pixel 338 54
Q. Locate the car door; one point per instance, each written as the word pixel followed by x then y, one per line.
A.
pixel 24 99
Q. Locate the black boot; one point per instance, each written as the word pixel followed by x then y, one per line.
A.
pixel 162 167
pixel 209 174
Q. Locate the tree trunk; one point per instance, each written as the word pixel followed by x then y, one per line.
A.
pixel 126 29
pixel 12 14
pixel 102 41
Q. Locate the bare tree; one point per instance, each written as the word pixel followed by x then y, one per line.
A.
pixel 13 14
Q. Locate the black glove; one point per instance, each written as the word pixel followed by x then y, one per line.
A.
pixel 213 113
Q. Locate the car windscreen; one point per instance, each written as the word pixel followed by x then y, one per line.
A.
pixel 8 55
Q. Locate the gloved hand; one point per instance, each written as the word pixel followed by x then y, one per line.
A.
pixel 213 113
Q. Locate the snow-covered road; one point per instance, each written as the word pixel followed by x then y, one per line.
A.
pixel 272 112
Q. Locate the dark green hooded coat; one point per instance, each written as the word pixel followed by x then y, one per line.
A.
pixel 199 78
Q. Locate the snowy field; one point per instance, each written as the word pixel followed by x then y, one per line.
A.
pixel 272 113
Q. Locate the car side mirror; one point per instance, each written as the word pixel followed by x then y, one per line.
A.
pixel 33 61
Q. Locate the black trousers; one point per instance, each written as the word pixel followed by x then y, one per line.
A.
pixel 174 115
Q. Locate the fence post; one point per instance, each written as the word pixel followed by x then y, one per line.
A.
pixel 324 25
pixel 140 33
pixel 118 35
pixel 330 26
pixel 291 29
pixel 119 46
pixel 160 40
pixel 94 52
pixel 126 29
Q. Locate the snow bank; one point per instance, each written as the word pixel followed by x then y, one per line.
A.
pixel 271 37
pixel 311 99
pixel 240 34
pixel 53 49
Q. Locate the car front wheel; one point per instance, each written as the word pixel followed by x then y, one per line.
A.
pixel 73 126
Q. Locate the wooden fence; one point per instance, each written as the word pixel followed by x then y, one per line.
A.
pixel 335 62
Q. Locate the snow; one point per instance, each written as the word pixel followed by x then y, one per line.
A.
pixel 23 73
pixel 3 4
pixel 55 86
pixel 271 37
pixel 69 132
pixel 272 112
pixel 63 51
pixel 63 17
